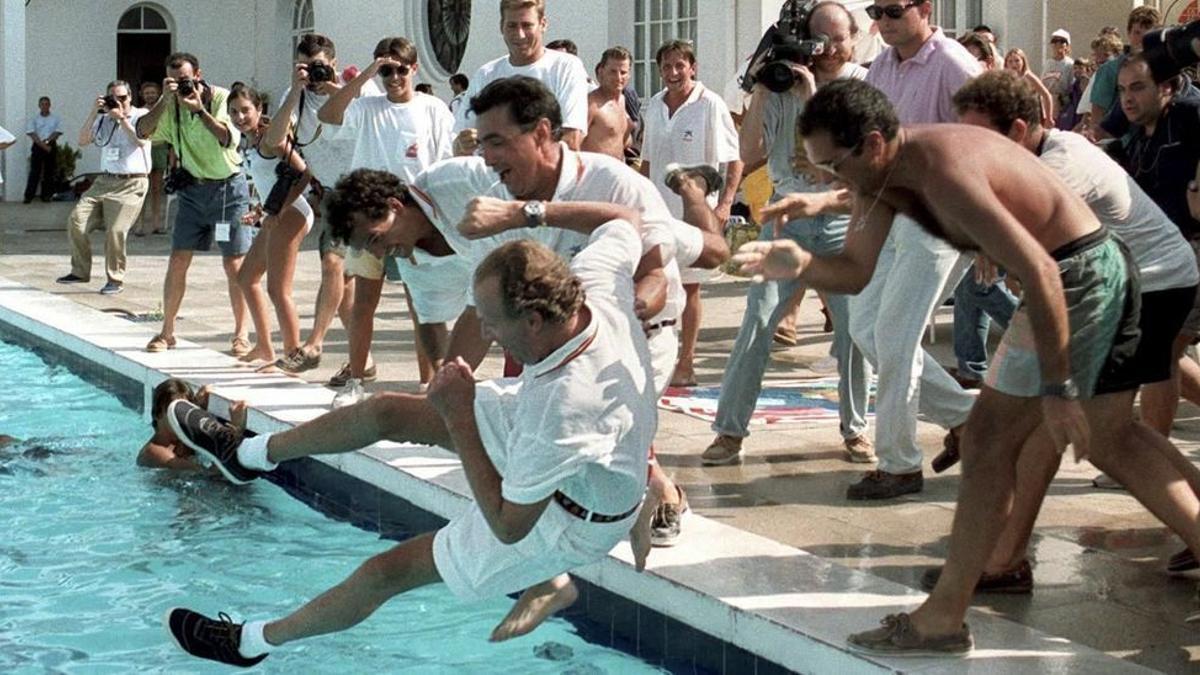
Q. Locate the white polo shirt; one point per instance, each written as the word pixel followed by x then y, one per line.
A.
pixel 700 132
pixel 5 137
pixel 585 416
pixel 445 189
pixel 562 73
pixel 118 152
pixel 402 138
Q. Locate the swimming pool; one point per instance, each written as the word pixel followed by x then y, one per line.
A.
pixel 93 550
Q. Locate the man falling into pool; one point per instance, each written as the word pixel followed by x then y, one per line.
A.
pixel 1065 365
pixel 555 459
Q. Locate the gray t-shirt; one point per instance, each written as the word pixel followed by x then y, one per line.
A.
pixel 1163 256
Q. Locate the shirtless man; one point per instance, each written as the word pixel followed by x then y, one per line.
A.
pixel 609 127
pixel 1064 366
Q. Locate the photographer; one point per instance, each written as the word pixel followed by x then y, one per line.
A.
pixel 192 116
pixel 812 215
pixel 115 197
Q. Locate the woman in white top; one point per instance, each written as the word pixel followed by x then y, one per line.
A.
pixel 275 249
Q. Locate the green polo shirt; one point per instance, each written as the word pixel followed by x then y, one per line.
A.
pixel 198 149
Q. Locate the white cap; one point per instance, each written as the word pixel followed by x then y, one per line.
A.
pixel 1061 33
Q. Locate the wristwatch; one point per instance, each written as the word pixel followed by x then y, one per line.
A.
pixel 1066 389
pixel 535 213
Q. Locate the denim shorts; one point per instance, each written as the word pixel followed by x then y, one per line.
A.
pixel 203 205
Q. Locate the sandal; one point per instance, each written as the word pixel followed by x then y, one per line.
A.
pixel 160 343
pixel 239 346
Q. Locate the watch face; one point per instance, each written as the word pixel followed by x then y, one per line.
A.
pixel 449 28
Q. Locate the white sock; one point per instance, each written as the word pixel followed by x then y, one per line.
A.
pixel 254 643
pixel 252 453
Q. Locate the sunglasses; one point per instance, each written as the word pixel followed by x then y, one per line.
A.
pixel 891 11
pixel 388 71
pixel 832 166
pixel 1058 41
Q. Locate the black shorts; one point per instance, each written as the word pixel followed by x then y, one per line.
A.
pixel 1160 321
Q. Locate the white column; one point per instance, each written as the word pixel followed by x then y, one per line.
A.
pixel 14 161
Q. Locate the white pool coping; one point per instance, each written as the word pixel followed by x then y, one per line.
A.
pixel 775 601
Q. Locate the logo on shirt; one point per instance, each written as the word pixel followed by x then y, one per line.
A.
pixel 412 151
pixel 688 135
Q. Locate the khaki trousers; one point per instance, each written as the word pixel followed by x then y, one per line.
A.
pixel 115 202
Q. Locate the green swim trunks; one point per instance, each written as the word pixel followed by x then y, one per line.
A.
pixel 1102 294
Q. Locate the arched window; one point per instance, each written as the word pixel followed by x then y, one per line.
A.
pixel 655 22
pixel 144 39
pixel 302 21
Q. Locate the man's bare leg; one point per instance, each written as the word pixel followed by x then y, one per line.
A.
pixel 330 301
pixel 1036 468
pixel 995 433
pixel 1160 400
pixel 382 577
pixel 536 605
pixel 689 334
pixel 237 300
pixel 384 416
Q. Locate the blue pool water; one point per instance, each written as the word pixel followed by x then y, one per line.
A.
pixel 93 550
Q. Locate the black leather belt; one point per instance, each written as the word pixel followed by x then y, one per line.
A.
pixel 125 176
pixel 570 506
pixel 666 323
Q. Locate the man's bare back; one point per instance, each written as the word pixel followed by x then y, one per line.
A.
pixel 951 177
pixel 609 125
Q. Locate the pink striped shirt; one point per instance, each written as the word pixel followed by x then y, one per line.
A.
pixel 921 87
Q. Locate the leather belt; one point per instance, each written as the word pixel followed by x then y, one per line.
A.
pixel 570 506
pixel 666 323
pixel 125 176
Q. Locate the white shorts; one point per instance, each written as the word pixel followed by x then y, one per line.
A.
pixel 301 204
pixel 475 564
pixel 438 289
pixel 664 351
pixel 359 263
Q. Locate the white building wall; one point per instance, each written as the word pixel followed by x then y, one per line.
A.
pixel 13 161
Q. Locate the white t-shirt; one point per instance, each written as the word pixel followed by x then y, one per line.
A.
pixel 328 149
pixel 118 152
pixel 403 138
pixel 5 137
pixel 585 415
pixel 1164 258
pixel 700 132
pixel 562 73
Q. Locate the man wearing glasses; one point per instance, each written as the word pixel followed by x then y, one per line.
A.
pixel 919 73
pixel 115 198
pixel 403 132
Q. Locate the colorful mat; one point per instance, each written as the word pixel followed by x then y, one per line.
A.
pixel 801 401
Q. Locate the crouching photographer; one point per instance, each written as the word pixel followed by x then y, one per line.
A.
pixel 193 117
pixel 116 195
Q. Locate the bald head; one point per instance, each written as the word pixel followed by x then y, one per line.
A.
pixel 835 22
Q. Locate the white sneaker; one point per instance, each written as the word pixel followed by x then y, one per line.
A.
pixel 350 393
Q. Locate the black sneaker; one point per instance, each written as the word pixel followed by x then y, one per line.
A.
pixel 71 279
pixel 342 376
pixel 213 639
pixel 211 438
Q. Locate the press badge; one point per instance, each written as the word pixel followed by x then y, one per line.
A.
pixel 222 233
pixel 111 155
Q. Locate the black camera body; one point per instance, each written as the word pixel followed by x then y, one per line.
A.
pixel 286 177
pixel 187 87
pixel 111 103
pixel 1169 50
pixel 178 179
pixel 785 43
pixel 320 72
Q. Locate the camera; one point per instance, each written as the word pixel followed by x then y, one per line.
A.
pixel 320 72
pixel 286 178
pixel 178 179
pixel 786 43
pixel 187 87
pixel 1169 50
pixel 110 102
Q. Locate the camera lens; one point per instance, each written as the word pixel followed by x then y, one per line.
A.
pixel 186 87
pixel 777 76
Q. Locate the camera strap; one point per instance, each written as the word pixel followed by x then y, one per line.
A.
pixel 299 119
pixel 178 136
pixel 100 128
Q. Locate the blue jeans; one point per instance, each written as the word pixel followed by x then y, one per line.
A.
pixel 975 307
pixel 765 308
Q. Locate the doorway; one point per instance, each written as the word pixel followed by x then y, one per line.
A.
pixel 144 42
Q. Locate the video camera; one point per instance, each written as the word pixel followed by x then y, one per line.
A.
pixel 785 43
pixel 1169 50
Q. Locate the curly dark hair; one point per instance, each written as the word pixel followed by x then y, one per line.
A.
pixel 527 99
pixel 1003 96
pixel 168 390
pixel 533 278
pixel 363 192
pixel 849 110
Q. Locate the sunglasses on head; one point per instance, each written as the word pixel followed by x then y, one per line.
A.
pixel 388 71
pixel 891 11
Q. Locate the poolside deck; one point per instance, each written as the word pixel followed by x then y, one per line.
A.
pixel 1099 555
